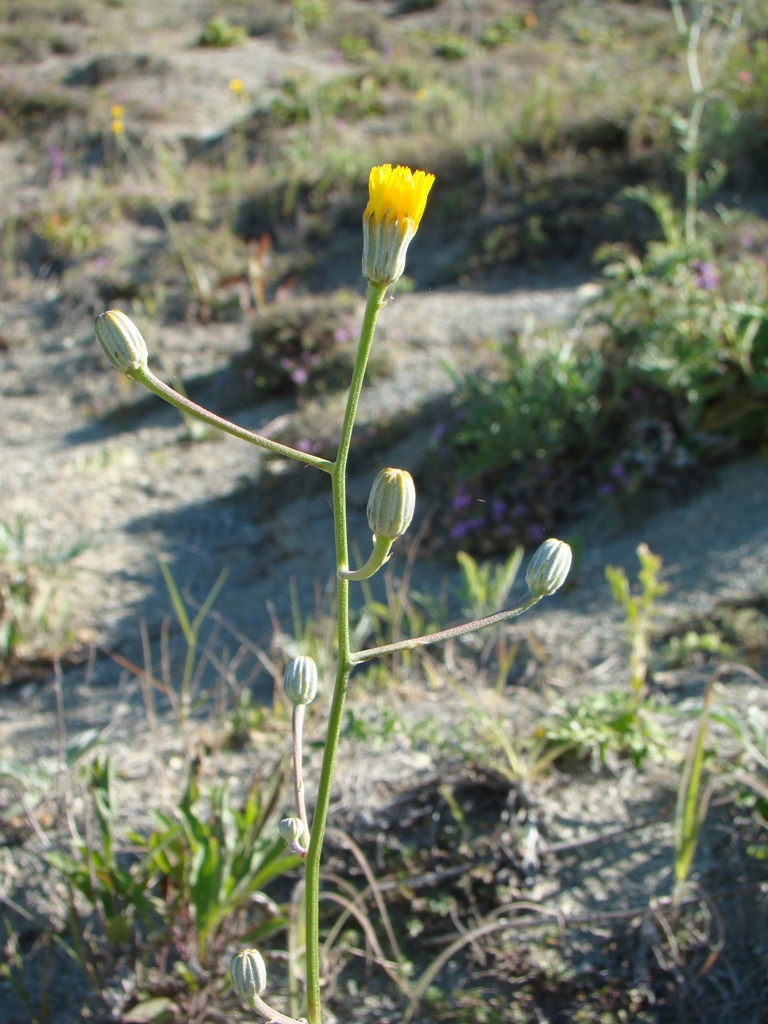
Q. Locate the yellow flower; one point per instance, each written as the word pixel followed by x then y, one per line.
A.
pixel 396 201
pixel 117 126
pixel 397 194
pixel 116 112
pixel 236 86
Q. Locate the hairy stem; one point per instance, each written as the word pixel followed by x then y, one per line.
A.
pixel 298 770
pixel 447 634
pixel 153 383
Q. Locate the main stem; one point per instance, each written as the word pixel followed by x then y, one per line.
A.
pixel 339 480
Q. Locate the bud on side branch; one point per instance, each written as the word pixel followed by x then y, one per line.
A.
pixel 292 833
pixel 548 568
pixel 300 680
pixel 121 341
pixel 390 511
pixel 248 973
pixel 391 503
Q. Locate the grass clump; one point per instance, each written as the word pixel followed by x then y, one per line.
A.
pixel 27 111
pixel 177 893
pixel 30 615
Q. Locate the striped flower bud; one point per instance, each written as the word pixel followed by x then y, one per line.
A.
pixel 548 568
pixel 391 503
pixel 300 680
pixel 121 341
pixel 248 973
pixel 292 832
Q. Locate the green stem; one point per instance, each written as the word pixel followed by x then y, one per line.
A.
pixel 382 547
pixel 186 679
pixel 338 475
pixel 149 380
pixel 298 770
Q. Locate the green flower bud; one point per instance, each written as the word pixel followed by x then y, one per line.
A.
pixel 292 833
pixel 548 568
pixel 391 503
pixel 300 680
pixel 248 973
pixel 121 341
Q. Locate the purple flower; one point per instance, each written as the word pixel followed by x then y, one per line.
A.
pixel 705 275
pixel 498 508
pixel 439 432
pixel 57 163
pixel 299 375
pixel 534 532
pixel 460 499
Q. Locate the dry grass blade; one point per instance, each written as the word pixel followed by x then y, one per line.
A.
pixel 352 910
pixel 374 888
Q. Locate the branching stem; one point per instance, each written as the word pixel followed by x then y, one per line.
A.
pixel 338 475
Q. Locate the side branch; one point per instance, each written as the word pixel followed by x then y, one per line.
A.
pixel 149 380
pixel 447 634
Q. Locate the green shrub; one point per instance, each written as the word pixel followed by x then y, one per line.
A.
pixel 307 346
pixel 690 317
pixel 521 440
pixel 221 32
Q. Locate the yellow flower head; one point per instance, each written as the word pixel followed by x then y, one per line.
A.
pixel 116 111
pixel 236 86
pixel 396 201
pixel 397 194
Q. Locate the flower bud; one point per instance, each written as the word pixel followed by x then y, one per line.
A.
pixel 300 680
pixel 248 973
pixel 121 341
pixel 292 833
pixel 391 503
pixel 548 568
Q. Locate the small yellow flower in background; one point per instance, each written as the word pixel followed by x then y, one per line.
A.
pixel 236 86
pixel 116 112
pixel 396 201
